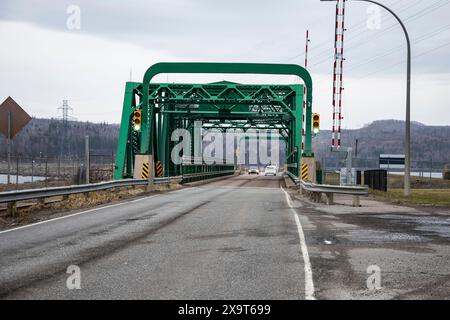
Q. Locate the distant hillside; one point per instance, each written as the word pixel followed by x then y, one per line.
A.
pixel 49 138
pixel 387 136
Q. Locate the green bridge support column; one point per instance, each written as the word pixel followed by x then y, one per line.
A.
pixel 298 127
pixel 308 130
pixel 164 155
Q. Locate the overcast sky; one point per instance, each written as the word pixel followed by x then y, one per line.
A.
pixel 43 61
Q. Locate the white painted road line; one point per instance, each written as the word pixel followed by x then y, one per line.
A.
pixel 75 214
pixel 309 284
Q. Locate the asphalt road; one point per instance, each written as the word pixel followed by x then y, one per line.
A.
pixel 407 247
pixel 232 239
pixel 237 238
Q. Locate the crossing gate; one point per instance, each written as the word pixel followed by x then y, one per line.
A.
pixel 304 172
pixel 145 170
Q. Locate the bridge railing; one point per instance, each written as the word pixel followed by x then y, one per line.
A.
pixel 292 169
pixel 30 194
pixel 191 172
pixel 195 169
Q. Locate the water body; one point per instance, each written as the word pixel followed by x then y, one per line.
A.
pixel 425 174
pixel 22 179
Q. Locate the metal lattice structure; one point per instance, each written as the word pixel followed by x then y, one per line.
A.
pixel 221 105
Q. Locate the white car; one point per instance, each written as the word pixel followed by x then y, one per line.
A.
pixel 271 171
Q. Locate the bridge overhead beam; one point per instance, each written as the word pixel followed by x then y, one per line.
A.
pixel 224 68
pixel 123 155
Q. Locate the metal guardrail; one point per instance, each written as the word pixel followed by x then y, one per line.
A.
pixel 325 188
pixel 316 190
pixel 352 190
pixel 203 174
pixel 294 178
pixel 29 194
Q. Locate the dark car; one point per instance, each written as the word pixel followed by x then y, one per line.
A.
pixel 253 171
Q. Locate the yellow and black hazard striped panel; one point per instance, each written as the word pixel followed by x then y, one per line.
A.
pixel 145 169
pixel 159 169
pixel 304 172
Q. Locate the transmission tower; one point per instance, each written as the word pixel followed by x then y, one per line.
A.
pixel 65 111
pixel 64 148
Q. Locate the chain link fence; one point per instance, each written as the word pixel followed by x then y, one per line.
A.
pixel 424 173
pixel 37 172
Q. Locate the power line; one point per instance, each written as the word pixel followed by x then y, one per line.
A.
pixel 326 52
pixel 429 9
pixel 349 32
pixel 408 19
pixel 395 49
pixel 414 57
pixel 399 11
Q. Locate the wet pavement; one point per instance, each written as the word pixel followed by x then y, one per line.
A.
pixel 409 246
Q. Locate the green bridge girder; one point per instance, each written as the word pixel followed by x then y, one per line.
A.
pixel 221 105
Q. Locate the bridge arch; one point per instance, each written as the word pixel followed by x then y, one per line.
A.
pixel 162 103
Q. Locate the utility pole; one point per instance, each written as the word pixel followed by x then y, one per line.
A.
pixel 86 153
pixel 349 167
pixel 304 92
pixel 306 49
pixel 9 146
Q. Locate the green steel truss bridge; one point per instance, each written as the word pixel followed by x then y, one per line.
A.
pixel 165 107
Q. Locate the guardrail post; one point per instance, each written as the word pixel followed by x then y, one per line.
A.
pixel 11 208
pixel 151 175
pixel 301 190
pixel 330 198
pixel 356 202
pixel 317 196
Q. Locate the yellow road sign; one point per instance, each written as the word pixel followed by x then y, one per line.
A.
pixel 159 169
pixel 304 172
pixel 145 170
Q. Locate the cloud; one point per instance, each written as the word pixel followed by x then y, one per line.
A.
pixel 252 30
pixel 42 67
pixel 45 62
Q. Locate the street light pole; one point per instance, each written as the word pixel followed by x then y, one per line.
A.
pixel 407 177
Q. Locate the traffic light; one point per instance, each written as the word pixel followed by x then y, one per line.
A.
pixel 137 120
pixel 316 123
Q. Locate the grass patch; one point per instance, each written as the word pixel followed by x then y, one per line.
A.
pixel 439 197
pixel 396 182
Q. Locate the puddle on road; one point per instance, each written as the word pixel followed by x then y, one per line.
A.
pixel 437 226
pixel 367 235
